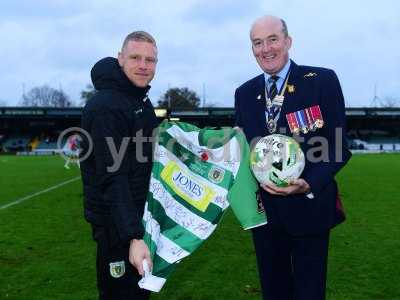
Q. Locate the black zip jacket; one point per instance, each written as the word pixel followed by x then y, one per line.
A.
pixel 115 195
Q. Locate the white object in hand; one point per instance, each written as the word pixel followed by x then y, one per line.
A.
pixel 146 268
pixel 149 281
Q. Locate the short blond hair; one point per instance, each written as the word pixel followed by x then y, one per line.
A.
pixel 139 36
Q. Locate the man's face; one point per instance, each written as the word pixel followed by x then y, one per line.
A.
pixel 270 45
pixel 138 60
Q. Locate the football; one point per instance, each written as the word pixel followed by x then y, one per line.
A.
pixel 277 159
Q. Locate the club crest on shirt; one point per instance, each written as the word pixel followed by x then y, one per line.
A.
pixel 117 269
pixel 216 174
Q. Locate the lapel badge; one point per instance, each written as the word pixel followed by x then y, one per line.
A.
pixel 290 88
pixel 311 74
pixel 259 97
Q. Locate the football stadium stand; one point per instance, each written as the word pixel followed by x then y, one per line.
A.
pixel 30 130
pixel 16 143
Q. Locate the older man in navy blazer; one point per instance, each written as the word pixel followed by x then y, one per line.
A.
pixel 307 103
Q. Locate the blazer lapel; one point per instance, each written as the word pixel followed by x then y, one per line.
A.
pixel 290 96
pixel 260 101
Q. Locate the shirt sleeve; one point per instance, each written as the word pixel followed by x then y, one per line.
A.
pixel 110 132
pixel 321 173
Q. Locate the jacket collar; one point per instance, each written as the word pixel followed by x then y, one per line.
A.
pixel 294 74
pixel 107 74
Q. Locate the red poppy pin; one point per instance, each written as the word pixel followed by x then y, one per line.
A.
pixel 204 156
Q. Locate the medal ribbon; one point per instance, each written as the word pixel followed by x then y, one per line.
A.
pixel 273 108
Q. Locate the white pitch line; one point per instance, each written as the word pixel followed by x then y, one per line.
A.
pixel 39 193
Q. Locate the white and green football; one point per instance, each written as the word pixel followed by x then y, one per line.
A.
pixel 277 159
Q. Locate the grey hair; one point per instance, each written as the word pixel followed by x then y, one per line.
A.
pixel 284 28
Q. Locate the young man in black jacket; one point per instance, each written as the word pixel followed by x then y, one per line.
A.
pixel 120 120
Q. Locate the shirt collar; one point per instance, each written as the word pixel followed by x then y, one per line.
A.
pixel 282 73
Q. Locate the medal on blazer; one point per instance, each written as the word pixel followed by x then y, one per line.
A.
pixel 301 117
pixel 316 115
pixel 273 106
pixel 305 120
pixel 271 126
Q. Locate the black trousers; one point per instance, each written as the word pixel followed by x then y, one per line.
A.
pixel 291 267
pixel 116 278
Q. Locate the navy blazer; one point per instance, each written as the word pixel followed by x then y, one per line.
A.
pixel 312 86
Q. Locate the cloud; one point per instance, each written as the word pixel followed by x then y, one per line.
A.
pixel 200 43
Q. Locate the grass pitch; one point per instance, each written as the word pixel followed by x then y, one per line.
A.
pixel 46 251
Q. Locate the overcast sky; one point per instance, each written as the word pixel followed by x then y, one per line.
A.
pixel 56 42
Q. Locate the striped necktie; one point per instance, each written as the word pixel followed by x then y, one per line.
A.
pixel 273 90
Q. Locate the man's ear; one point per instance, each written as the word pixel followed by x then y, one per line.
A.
pixel 120 59
pixel 289 42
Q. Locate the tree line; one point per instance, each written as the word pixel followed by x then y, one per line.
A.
pixel 177 98
pixel 45 96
